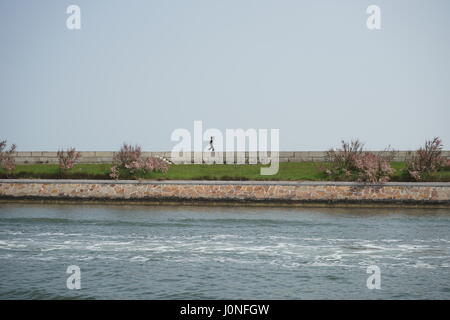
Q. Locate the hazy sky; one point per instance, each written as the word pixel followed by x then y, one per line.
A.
pixel 139 69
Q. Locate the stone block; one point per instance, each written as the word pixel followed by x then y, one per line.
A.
pixel 104 154
pixel 23 154
pixel 36 153
pixel 286 154
pixel 87 154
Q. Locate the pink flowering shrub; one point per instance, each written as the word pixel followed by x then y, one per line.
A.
pixel 7 160
pixel 426 160
pixel 343 159
pixel 129 162
pixel 352 163
pixel 372 168
pixel 67 159
pixel 127 154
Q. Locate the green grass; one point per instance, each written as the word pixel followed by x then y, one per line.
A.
pixel 51 171
pixel 309 171
pixel 288 171
pixel 440 176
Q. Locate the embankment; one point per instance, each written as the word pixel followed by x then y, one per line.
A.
pixel 231 192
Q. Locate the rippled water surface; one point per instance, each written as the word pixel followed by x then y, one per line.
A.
pixel 146 252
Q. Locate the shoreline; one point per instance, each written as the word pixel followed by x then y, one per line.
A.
pixel 228 193
pixel 229 204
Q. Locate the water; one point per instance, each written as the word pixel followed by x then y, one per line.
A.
pixel 155 252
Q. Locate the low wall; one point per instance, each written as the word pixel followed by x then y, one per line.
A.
pixel 241 157
pixel 223 191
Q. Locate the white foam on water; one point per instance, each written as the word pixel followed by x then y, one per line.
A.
pixel 11 232
pixel 9 245
pixel 422 265
pixel 50 234
pixel 139 259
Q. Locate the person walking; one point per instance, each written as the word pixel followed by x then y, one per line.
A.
pixel 211 146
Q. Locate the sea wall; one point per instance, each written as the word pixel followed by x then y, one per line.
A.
pixel 239 157
pixel 223 191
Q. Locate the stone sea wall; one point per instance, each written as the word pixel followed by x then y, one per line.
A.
pixel 239 157
pixel 223 191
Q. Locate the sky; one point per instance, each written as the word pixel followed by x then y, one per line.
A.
pixel 138 70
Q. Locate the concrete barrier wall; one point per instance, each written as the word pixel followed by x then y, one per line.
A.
pixel 241 191
pixel 239 157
